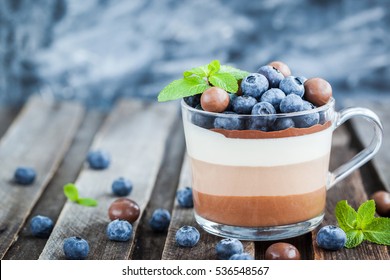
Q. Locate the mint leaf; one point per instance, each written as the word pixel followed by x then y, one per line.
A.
pixel 182 88
pixel 365 214
pixel 378 231
pixel 71 192
pixel 201 71
pixel 346 216
pixel 87 202
pixel 354 238
pixel 236 73
pixel 225 81
pixel 213 67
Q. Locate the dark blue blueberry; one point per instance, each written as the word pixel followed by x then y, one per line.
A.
pixel 307 120
pixel 283 123
pixel 232 122
pixel 24 175
pixel 228 247
pixel 187 236
pixel 291 103
pixel 273 96
pixel 41 226
pixel 242 256
pixel 331 238
pixel 232 96
pixel 292 85
pixel 193 100
pixel 202 119
pixel 323 117
pixel 243 104
pixel 122 187
pixel 273 75
pixel 302 79
pixel 254 85
pixel 98 159
pixel 184 197
pixel 263 116
pixel 119 230
pixel 75 248
pixel 160 220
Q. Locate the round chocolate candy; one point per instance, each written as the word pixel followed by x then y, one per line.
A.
pixel 382 202
pixel 317 91
pixel 215 100
pixel 124 209
pixel 282 251
pixel 282 67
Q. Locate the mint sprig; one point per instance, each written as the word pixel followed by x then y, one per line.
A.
pixel 72 193
pixel 362 225
pixel 197 80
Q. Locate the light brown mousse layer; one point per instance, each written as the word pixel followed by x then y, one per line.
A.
pixel 260 211
pixel 258 134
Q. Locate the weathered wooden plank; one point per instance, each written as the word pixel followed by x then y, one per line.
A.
pixel 28 247
pixel 39 138
pixel 205 249
pixel 150 244
pixel 352 190
pixel 7 115
pixel 135 135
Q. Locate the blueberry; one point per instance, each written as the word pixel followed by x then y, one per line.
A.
pixel 160 220
pixel 122 187
pixel 291 103
pixel 187 236
pixel 263 116
pixel 292 85
pixel 193 100
pixel 41 226
pixel 307 120
pixel 24 175
pixel 184 197
pixel 323 117
pixel 228 247
pixel 75 248
pixel 229 123
pixel 254 85
pixel 242 256
pixel 232 96
pixel 273 96
pixel 98 159
pixel 283 123
pixel 302 79
pixel 202 119
pixel 331 238
pixel 119 230
pixel 273 75
pixel 243 104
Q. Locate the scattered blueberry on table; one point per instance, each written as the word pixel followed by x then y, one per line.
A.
pixel 98 159
pixel 24 175
pixel 187 236
pixel 41 226
pixel 331 238
pixel 228 247
pixel 75 248
pixel 122 187
pixel 185 198
pixel 242 256
pixel 160 220
pixel 119 230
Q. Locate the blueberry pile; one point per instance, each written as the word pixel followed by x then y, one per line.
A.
pixel 270 91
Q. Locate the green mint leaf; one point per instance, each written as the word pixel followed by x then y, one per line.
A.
pixel 213 67
pixel 182 88
pixel 225 81
pixel 378 231
pixel 354 238
pixel 87 202
pixel 346 216
pixel 201 71
pixel 71 192
pixel 236 73
pixel 365 214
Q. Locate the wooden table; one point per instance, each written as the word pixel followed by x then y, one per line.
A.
pixel 147 145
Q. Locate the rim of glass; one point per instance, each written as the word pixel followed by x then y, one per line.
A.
pixel 322 108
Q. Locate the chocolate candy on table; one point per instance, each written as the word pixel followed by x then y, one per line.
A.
pixel 317 91
pixel 282 251
pixel 382 202
pixel 124 209
pixel 215 100
pixel 282 67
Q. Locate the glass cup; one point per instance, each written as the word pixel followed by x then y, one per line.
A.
pixel 254 180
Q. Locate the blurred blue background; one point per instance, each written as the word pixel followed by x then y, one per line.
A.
pixel 97 51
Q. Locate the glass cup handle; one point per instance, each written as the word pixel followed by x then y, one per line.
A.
pixel 367 153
